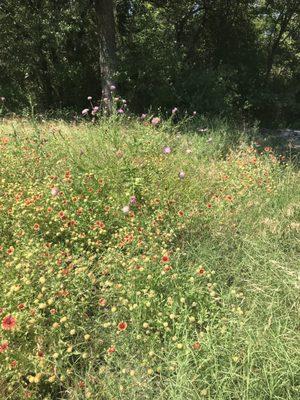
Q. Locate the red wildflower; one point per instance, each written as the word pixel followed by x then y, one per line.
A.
pixel 100 224
pixel 208 205
pixel 3 347
pixel 111 349
pixel 53 311
pixel 11 250
pixel 36 227
pixel 102 302
pixel 180 213
pixel 122 326
pixel 21 306
pixel 165 259
pixel 61 215
pixel 13 364
pixel 167 268
pixel 201 271
pixel 196 346
pixel 9 323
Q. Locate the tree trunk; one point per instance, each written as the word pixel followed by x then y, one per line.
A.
pixel 107 46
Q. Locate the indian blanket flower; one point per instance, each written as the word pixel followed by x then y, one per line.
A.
pixel 181 175
pixel 85 111
pixel 102 302
pixel 196 346
pixel 122 326
pixel 165 259
pixel 155 121
pixel 9 323
pixel 167 150
pixel 10 250
pixel 3 347
pixel 111 349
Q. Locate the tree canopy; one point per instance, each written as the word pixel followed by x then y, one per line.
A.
pixel 218 57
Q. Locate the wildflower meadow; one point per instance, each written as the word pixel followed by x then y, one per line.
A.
pixel 142 262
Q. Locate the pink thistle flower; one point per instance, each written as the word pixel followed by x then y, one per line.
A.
pixel 143 116
pixel 55 191
pixel 120 111
pixel 133 200
pixel 155 121
pixel 167 150
pixel 85 111
pixel 174 111
pixel 181 175
pixel 95 110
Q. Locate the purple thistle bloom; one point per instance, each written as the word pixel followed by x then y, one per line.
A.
pixel 167 150
pixel 181 175
pixel 85 111
pixel 133 200
pixel 95 110
pixel 155 121
pixel 174 111
pixel 143 116
pixel 120 111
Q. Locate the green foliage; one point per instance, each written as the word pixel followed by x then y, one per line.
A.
pixel 238 58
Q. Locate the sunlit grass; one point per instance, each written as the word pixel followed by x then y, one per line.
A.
pixel 127 280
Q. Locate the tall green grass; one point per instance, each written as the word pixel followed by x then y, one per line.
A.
pixel 203 271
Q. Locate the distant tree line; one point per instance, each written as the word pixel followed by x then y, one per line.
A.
pixel 236 58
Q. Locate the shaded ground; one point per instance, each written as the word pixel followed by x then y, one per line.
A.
pixel 283 141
